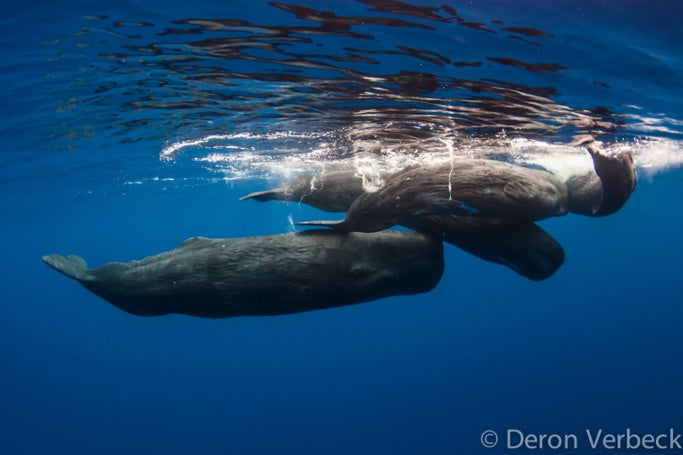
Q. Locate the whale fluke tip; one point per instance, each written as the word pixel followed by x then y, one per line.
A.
pixel 72 266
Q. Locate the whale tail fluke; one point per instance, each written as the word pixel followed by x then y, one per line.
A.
pixel 72 266
pixel 262 196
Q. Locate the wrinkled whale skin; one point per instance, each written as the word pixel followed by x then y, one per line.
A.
pixel 481 188
pixel 266 275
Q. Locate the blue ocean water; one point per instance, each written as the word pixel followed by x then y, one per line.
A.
pixel 129 126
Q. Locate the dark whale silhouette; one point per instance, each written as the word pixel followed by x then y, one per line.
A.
pixel 524 247
pixel 267 275
pixel 482 188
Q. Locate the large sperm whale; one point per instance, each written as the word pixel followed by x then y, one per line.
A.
pixel 599 192
pixel 471 187
pixel 492 189
pixel 266 275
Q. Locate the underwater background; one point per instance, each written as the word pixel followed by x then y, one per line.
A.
pixel 128 126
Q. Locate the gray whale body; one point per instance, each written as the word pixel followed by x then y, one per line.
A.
pixel 481 188
pixel 268 275
pixel 599 192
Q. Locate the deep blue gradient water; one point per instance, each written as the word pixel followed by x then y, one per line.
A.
pixel 129 126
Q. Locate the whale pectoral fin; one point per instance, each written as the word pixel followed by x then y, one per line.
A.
pixel 519 191
pixel 262 196
pixel 72 266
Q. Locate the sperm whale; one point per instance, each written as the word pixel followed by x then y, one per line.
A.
pixel 482 188
pixel 265 275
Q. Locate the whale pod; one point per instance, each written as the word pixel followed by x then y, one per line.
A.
pixel 265 275
pixel 599 192
pixel 481 188
pixel 523 247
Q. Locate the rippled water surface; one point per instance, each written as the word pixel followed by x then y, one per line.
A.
pixel 129 126
pixel 345 79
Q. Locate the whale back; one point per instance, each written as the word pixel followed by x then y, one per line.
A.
pixel 270 275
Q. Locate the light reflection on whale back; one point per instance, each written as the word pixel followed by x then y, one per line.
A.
pixel 279 157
